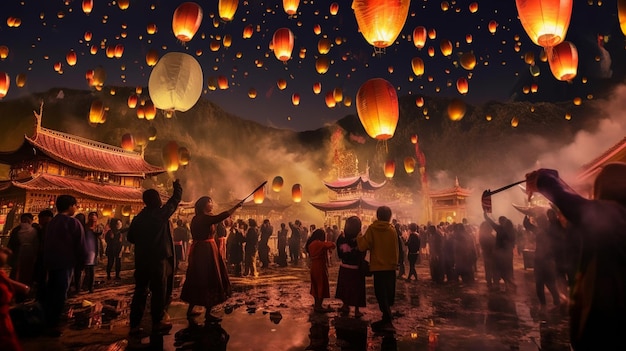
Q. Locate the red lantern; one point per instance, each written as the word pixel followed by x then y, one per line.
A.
pixel 419 37
pixel 380 22
pixel 5 83
pixel 186 21
pixel 128 142
pixel 277 183
pixel 414 139
pixel 283 40
pixel 291 6
pixel 377 107
pixel 87 6
pixel 296 193
pixel 334 8
pixel 563 60
pixel 227 9
pixel 390 168
pixel 462 85
pixel 70 57
pixel 248 31
pixel 545 21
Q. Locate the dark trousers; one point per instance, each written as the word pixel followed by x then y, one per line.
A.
pixel 78 281
pixel 56 293
pixel 264 254
pixel 294 252
pixel 89 277
pixel 401 264
pixel 282 253
pixel 118 265
pixel 385 291
pixel 545 276
pixel 413 257
pixel 150 277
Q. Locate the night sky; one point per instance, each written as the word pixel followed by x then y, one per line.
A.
pixel 50 29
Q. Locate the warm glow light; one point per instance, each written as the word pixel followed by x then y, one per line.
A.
pixel 377 107
pixel 227 9
pixel 170 156
pixel 563 60
pixel 390 168
pixel 417 64
pixel 545 21
pixel 291 6
pixel 283 41
pixel 296 193
pixel 419 37
pixel 277 184
pixel 380 22
pixel 456 109
pixel 259 196
pixel 186 21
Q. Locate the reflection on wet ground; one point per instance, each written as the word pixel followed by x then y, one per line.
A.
pixel 274 312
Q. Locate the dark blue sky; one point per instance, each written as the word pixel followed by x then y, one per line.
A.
pixel 501 72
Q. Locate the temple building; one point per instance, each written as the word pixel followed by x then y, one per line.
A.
pixel 449 205
pixel 102 177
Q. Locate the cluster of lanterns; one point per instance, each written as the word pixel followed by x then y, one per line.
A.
pixel 277 185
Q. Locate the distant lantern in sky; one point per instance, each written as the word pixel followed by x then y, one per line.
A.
pixel 545 21
pixel 87 6
pixel 334 8
pixel 419 101
pixel 96 112
pixel 322 64
pixel 70 57
pixel 149 110
pixel 123 4
pixel 5 83
pixel 317 29
pixel 248 31
pixel 132 101
pixel 462 85
pixel 323 46
pixel 296 193
pixel 621 13
pixel 380 22
pixel 417 65
pixel 252 93
pixel 151 28
pixel 419 37
pixel 456 109
pixel 414 139
pixel 277 184
pixel 377 107
pixel 128 142
pixel 295 99
pixel 330 100
pixel 259 196
pixel 175 82
pixel 291 6
pixel 281 83
pixel 170 156
pixel 152 57
pixel 446 47
pixel 20 80
pixel 389 169
pixel 227 9
pixel 514 122
pixel 468 60
pixel 563 60
pixel 492 26
pixel 186 21
pixel 317 87
pixel 409 164
pixel 4 52
pixel 283 41
pixel 473 7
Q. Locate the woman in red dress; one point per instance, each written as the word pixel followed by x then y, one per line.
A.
pixel 318 247
pixel 8 338
pixel 206 281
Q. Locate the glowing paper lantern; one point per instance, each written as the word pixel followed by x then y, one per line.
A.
pixel 380 22
pixel 126 211
pixel 222 82
pixel 330 100
pixel 291 6
pixel 377 107
pixel 419 101
pixel 183 156
pixel 334 8
pixel 123 4
pixel 170 156
pixel 281 83
pixel 107 210
pixel 514 122
pixel 295 99
pixel 87 6
pixel 446 47
pixel 128 142
pixel 132 101
pixel 317 88
pixel 277 184
pixel 545 21
pixel 409 165
pixel 317 29
pixel 259 196
pixel 283 40
pixel 296 193
pixel 419 37
pixel 322 64
pixel 151 28
pixel 252 93
pixel 5 83
pixel 468 61
pixel 149 110
pixel 492 26
pixel 462 85
pixel 248 31
pixel 4 52
pixel 323 46
pixel 70 57
pixel 227 9
pixel 152 57
pixel 96 112
pixel 417 64
pixel 563 60
pixel 621 14
pixel 473 7
pixel 186 21
pixel 338 94
pixel 390 168
pixel 456 109
pixel 175 82
pixel 414 139
pixel 20 80
pixel 152 133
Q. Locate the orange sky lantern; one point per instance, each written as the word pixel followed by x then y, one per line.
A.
pixel 317 29
pixel 545 21
pixel 323 46
pixel 431 51
pixel 123 4
pixel 621 14
pixel 248 31
pixel 4 52
pixel 432 34
pixel 107 210
pixel 87 36
pixel 414 139
pixel 338 94
pixel 259 196
pixel 419 101
pixel 87 6
pixel 417 64
pixel 222 82
pixel 296 193
pixel 419 37
pixel 330 100
pixel 462 85
pixel 389 169
pixel 377 107
pixel 347 101
pixel 149 110
pixel 283 40
pixel 132 101
pixel 295 99
pixel 96 112
pixel 563 60
pixel 446 47
pixel 186 21
pixel 20 80
pixel 281 83
pixel 277 184
pixel 468 60
pixel 469 38
pixel 492 26
pixel 127 211
pixel 227 41
pixel 322 64
pixel 58 66
pixel 152 57
pixel 70 57
pixel 529 58
pixel 456 109
pixel 473 7
pixel 128 142
pixel 409 164
pixel 183 156
pixel 380 22
pixel 291 6
pixel 151 28
pixel 110 51
pixel 317 88
pixel 252 93
pixel 170 156
pixel 534 88
pixel 334 8
pixel 227 9
pixel 514 122
pixel 5 83
pixel 119 50
pixel 214 46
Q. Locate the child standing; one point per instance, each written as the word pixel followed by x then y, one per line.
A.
pixel 413 245
pixel 317 247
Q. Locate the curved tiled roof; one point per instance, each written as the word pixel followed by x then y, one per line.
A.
pixel 353 182
pixel 347 205
pixel 59 184
pixel 90 155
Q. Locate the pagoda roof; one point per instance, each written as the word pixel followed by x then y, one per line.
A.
pixel 58 184
pixel 361 203
pixel 353 182
pixel 615 153
pixel 81 153
pixel 455 190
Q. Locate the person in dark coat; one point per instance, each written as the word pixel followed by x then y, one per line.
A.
pixel 206 281
pixel 487 247
pixel 436 259
pixel 250 251
pixel 264 249
pixel 234 246
pixel 413 248
pixel 281 259
pixel 24 243
pixel 43 218
pixel 295 241
pixel 150 232
pixel 92 247
pixel 351 278
pixel 64 248
pixel 544 265
pixel 464 253
pixel 598 299
pixel 503 253
pixel 114 238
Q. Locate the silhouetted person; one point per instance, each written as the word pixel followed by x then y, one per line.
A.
pixel 294 241
pixel 44 217
pixel 282 246
pixel 264 248
pixel 413 249
pixel 350 279
pixel 544 265
pixel 487 247
pixel 503 253
pixel 24 243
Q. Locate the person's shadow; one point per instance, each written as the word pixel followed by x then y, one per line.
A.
pixel 199 337
pixel 318 333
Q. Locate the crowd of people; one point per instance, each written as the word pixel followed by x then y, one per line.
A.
pixel 578 247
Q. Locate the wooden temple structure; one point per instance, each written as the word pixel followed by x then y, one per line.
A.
pixel 102 177
pixel 449 205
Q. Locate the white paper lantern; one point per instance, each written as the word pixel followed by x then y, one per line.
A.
pixel 175 82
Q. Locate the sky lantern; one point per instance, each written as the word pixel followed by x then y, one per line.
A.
pixel 4 52
pixel 534 87
pixel 431 51
pixel 414 139
pixel 492 26
pixel 222 82
pixel 322 64
pixel 432 34
pixel 132 101
pixel 252 93
pixel 347 101
pixel 186 21
pixel 110 51
pixel 296 193
pixel 456 109
pixel 473 7
pixel 128 142
pixel 578 101
pixel 151 28
pixel 330 100
pixel 152 57
pixel 445 6
pixel 20 80
pixel 291 6
pixel 96 112
pixel 227 9
pixel 514 122
pixel 419 37
pixel 259 196
pixel 283 40
pixel 119 50
pixel 389 169
pixel 380 22
pixel 545 21
pixel 621 14
pixel 462 85
pixel 317 88
pixel 419 101
pixel 446 47
pixel 469 38
pixel 123 4
pixel 5 83
pixel 377 107
pixel 183 156
pixel 248 31
pixel 87 36
pixel 529 58
pixel 409 164
pixel 87 6
pixel 468 60
pixel 281 83
pixel 338 94
pixel 152 133
pixel 417 64
pixel 175 82
pixel 149 110
pixel 295 99
pixel 323 46
pixel 170 156
pixel 277 184
pixel 317 29
pixel 334 8
pixel 227 41
pixel 563 60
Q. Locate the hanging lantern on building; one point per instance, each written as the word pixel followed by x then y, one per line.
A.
pixel 126 210
pixel 377 107
pixel 545 21
pixel 186 21
pixel 277 184
pixel 380 22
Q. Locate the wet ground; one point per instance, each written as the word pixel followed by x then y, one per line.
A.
pixel 274 312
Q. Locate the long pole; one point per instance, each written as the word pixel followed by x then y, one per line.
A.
pixel 490 192
pixel 254 191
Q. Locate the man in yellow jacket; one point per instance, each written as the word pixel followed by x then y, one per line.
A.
pixel 381 240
